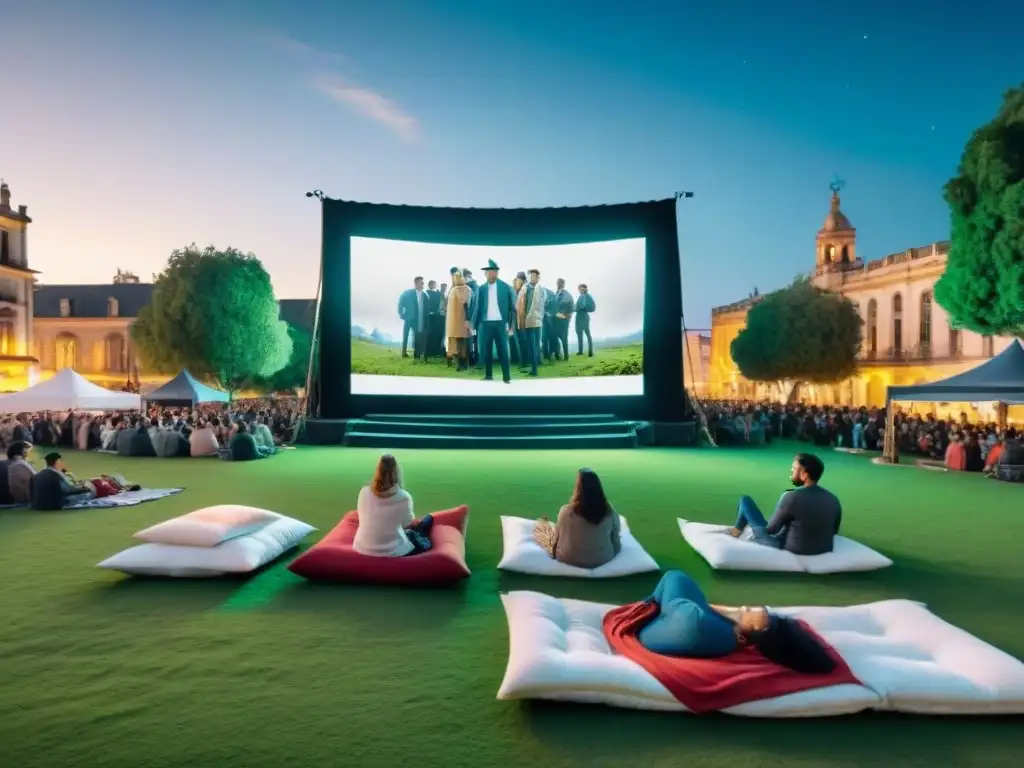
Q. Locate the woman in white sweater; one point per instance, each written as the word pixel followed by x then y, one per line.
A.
pixel 386 522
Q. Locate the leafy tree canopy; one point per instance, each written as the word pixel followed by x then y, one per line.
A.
pixel 799 334
pixel 983 285
pixel 293 375
pixel 214 312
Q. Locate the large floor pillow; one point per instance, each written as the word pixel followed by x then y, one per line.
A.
pixel 243 553
pixel 727 553
pixel 333 558
pixel 523 555
pixel 906 658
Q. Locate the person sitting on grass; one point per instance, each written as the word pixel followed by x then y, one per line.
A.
pixel 203 441
pixel 806 520
pixel 588 531
pixel 387 527
pixel 688 626
pixel 19 471
pixel 54 488
pixel 243 445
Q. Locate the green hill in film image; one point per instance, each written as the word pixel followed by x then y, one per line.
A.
pixel 373 358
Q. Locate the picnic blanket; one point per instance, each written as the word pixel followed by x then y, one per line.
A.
pixel 126 499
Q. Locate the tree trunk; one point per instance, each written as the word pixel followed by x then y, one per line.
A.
pixel 794 393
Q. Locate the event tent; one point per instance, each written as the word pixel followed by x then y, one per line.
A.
pixel 183 390
pixel 999 380
pixel 68 391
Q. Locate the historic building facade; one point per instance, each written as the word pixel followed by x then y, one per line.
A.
pixel 17 366
pixel 88 328
pixel 907 336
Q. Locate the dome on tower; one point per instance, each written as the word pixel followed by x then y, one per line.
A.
pixel 836 220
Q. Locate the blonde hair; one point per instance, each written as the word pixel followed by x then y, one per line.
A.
pixel 388 477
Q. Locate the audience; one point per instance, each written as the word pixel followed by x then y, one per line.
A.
pixel 587 533
pixel 387 527
pixel 19 471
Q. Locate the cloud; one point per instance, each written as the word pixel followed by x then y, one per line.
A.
pixel 300 50
pixel 370 105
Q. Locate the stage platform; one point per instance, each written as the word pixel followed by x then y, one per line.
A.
pixel 518 432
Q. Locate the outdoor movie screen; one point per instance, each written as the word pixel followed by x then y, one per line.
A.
pixel 479 321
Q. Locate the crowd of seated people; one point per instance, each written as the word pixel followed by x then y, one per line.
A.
pixel 958 444
pixel 250 429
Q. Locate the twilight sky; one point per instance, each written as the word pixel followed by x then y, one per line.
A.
pixel 613 271
pixel 132 128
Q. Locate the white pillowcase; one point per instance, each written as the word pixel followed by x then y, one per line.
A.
pixel 209 526
pixel 727 553
pixel 243 554
pixel 523 555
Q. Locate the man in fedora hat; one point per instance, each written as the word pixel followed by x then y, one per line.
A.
pixel 493 309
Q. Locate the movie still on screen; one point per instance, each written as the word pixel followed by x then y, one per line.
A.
pixel 454 320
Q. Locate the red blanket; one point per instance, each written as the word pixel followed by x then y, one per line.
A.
pixel 711 685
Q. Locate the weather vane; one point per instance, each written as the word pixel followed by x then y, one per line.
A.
pixel 836 185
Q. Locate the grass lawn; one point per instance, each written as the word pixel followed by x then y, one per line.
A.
pixel 380 360
pixel 100 670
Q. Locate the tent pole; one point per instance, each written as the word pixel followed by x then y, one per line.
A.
pixel 890 451
pixel 1002 414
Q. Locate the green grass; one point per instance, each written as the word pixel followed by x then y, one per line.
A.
pixel 381 360
pixel 100 670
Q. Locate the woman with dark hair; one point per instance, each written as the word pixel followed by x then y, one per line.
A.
pixel 386 523
pixel 587 534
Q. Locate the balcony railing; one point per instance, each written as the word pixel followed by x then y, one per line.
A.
pixel 918 354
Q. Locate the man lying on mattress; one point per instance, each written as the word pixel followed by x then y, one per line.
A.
pixel 686 625
pixel 806 520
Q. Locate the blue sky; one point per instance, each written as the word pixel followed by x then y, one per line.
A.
pixel 132 128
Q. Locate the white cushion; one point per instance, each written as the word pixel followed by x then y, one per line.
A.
pixel 523 555
pixel 240 555
pixel 728 553
pixel 558 651
pixel 209 526
pixel 906 658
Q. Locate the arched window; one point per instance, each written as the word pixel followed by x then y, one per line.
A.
pixel 872 328
pixel 112 307
pixel 113 349
pixel 956 343
pixel 66 351
pixel 829 254
pixel 846 254
pixel 926 319
pixel 8 343
pixel 897 324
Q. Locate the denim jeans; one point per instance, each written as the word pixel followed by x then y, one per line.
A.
pixel 749 516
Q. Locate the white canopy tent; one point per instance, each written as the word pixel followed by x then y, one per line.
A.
pixel 68 391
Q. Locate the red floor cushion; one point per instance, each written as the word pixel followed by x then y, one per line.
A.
pixel 333 559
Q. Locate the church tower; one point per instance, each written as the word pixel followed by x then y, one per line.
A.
pixel 837 239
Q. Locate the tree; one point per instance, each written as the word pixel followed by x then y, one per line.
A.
pixel 293 375
pixel 982 288
pixel 799 334
pixel 213 312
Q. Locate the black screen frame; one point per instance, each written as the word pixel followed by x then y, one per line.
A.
pixel 663 397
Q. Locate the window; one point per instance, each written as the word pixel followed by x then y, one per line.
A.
pixel 112 307
pixel 956 343
pixel 988 346
pixel 6 337
pixel 66 351
pixel 846 254
pixel 897 324
pixel 872 328
pixel 926 318
pixel 5 247
pixel 65 307
pixel 113 348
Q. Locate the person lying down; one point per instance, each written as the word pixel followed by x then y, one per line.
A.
pixel 688 626
pixel 588 531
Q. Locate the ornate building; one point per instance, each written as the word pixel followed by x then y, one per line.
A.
pixel 907 336
pixel 17 367
pixel 88 328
